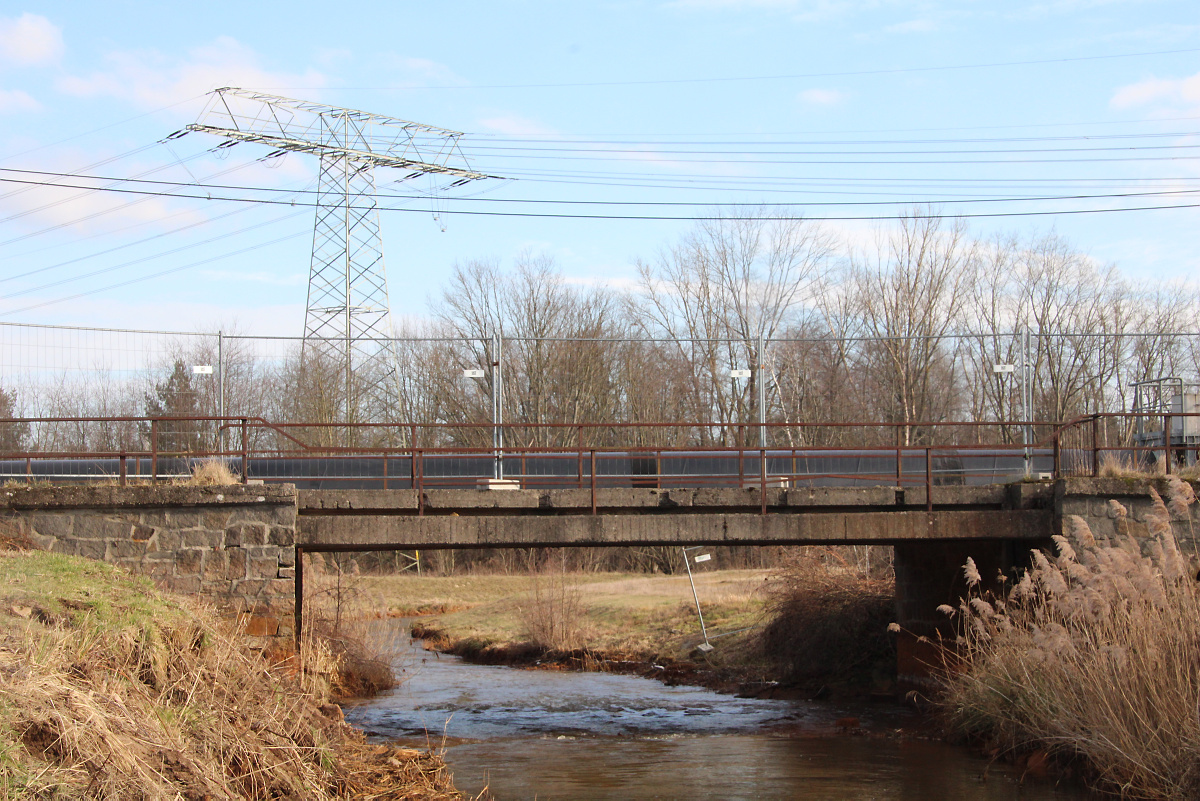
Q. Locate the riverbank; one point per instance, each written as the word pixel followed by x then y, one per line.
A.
pixel 638 624
pixel 109 688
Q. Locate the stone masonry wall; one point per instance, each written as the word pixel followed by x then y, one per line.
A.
pixel 1089 498
pixel 231 545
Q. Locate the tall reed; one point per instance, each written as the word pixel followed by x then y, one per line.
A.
pixel 1093 654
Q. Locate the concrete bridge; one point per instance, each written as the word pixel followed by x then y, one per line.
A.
pixel 242 546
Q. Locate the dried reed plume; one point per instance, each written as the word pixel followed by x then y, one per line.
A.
pixel 211 473
pixel 1094 654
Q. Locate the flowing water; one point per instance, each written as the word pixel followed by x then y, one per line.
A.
pixel 558 735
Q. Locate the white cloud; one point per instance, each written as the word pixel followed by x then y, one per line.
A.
pixel 29 40
pixel 1179 92
pixel 515 125
pixel 153 79
pixel 912 26
pixel 822 97
pixel 14 100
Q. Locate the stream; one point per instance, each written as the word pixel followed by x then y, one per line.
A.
pixel 548 734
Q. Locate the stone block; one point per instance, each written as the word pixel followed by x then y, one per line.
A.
pixel 155 518
pixel 216 564
pixel 58 526
pixel 141 532
pixel 156 569
pixel 287 557
pixel 281 535
pixel 246 534
pixel 216 519
pixel 237 563
pixel 189 562
pixel 185 519
pixel 250 588
pixel 287 572
pixel 95 527
pixel 259 626
pixel 166 539
pixel 188 585
pixel 126 549
pixel 263 567
pixel 90 549
pixel 281 586
pixel 202 538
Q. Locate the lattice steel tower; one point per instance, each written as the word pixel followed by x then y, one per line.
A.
pixel 346 320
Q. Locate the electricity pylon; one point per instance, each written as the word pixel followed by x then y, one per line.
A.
pixel 347 328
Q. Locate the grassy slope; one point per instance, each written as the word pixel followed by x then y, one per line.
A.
pixel 109 688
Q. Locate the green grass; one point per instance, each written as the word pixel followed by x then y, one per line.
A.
pixel 79 590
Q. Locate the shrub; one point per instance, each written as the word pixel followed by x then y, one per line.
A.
pixel 829 625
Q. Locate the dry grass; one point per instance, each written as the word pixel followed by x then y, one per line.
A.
pixel 1094 654
pixel 354 656
pixel 828 625
pixel 1112 466
pixel 109 689
pixel 211 473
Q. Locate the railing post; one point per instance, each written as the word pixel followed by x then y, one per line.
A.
pixel 153 451
pixel 741 468
pixel 420 482
pixel 593 481
pixel 1167 442
pixel 385 476
pixel 124 470
pixel 29 470
pixel 1095 445
pixel 579 453
pixel 1057 456
pixel 929 479
pixel 245 451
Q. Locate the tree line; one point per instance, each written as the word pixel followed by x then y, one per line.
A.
pixel 905 328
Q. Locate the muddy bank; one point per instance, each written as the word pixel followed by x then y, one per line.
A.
pixel 731 680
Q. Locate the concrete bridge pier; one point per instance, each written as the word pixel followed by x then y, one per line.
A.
pixel 931 574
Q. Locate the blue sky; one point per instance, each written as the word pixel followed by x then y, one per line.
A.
pixel 705 102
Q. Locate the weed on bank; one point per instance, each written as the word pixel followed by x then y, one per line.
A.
pixel 111 689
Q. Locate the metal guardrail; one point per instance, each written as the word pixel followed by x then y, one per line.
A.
pixel 947 455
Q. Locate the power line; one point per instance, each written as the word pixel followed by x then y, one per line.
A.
pixel 791 76
pixel 559 201
pixel 548 215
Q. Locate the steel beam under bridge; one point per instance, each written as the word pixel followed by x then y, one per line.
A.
pixel 360 520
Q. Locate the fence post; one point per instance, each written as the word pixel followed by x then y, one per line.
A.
pixel 385 476
pixel 299 601
pixel 1057 456
pixel 593 481
pixel 154 451
pixel 1167 442
pixel 579 453
pixel 1095 445
pixel 762 480
pixel 929 479
pixel 29 470
pixel 245 451
pixel 124 470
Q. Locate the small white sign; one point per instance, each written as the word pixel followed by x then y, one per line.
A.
pixel 202 369
pixel 739 373
pixel 473 374
pixel 1004 368
pixel 704 557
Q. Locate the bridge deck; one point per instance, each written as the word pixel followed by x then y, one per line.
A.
pixel 333 520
